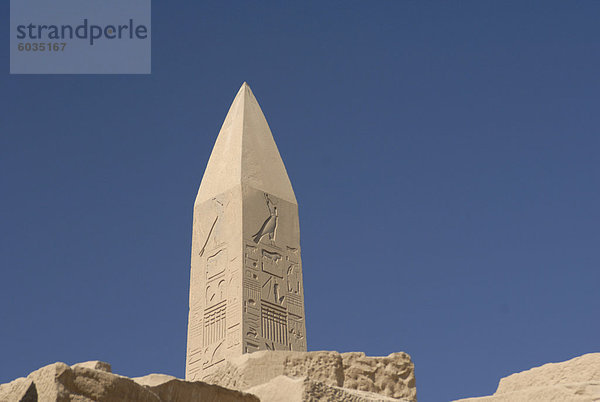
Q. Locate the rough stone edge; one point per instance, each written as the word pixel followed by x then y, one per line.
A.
pixel 20 389
pixel 158 382
pixel 94 365
pixel 565 390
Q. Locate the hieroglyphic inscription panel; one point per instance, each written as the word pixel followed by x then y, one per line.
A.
pixel 273 292
pixel 215 317
pixel 248 297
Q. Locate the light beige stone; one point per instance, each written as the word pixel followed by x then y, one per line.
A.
pixel 257 368
pixel 392 376
pixel 268 375
pixel 577 379
pixel 245 152
pixel 246 291
pixel 82 383
pixel 59 382
pixel 288 389
pixel 154 379
pixel 95 365
pixel 581 369
pixel 320 374
pixel 172 389
pixel 19 390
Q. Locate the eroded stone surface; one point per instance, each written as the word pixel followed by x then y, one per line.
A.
pixel 324 367
pixel 288 389
pixel 19 390
pixel 271 375
pixel 350 374
pixel 169 388
pixel 60 383
pixel 577 379
pixel 581 369
pixel 392 376
pixel 95 365
pixel 246 291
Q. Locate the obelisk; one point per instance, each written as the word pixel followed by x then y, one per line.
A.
pixel 246 290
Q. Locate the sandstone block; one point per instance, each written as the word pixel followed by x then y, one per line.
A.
pixel 288 389
pixel 19 390
pixel 272 376
pixel 326 373
pixel 577 379
pixel 324 367
pixel 92 381
pixel 95 365
pixel 61 383
pixel 172 389
pixel 581 369
pixel 392 376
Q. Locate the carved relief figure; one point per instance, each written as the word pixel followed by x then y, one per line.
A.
pixel 219 209
pixel 272 291
pixel 295 305
pixel 233 288
pixel 233 338
pixel 214 324
pixel 296 334
pixel 216 263
pixel 215 292
pixel 251 256
pixel 294 279
pixel 213 354
pixel 274 323
pixel 293 254
pixel 270 225
pixel 272 263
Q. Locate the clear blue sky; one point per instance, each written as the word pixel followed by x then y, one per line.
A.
pixel 444 155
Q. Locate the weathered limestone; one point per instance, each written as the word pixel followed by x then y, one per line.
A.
pixel 91 381
pixel 393 375
pixel 272 376
pixel 577 379
pixel 95 365
pixel 246 289
pixel 19 390
pixel 288 389
pixel 169 388
pixel 61 383
pixel 315 375
pixel 249 370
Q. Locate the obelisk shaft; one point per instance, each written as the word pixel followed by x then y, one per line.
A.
pixel 246 291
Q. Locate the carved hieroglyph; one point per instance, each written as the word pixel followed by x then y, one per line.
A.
pixel 246 290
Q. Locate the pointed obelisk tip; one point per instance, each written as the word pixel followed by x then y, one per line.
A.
pixel 245 153
pixel 245 88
